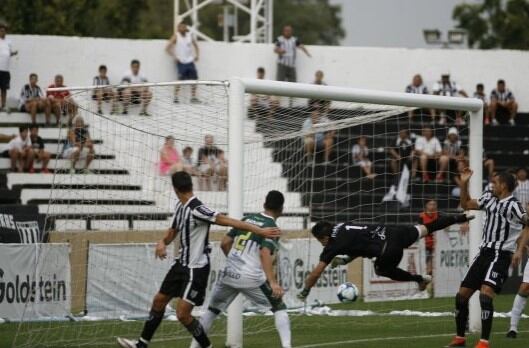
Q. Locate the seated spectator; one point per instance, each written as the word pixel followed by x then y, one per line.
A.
pixel 428 150
pixel 209 163
pixel 402 153
pixel 417 87
pixel 481 95
pixel 135 95
pixel 78 145
pixel 361 157
pixel 502 100
pixel 324 105
pixel 187 161
pixel 452 151
pixel 32 100
pixel 521 192
pixel 429 215
pixel 19 151
pixel 446 87
pixel 59 101
pixel 258 101
pixel 103 94
pixel 317 141
pixel 170 161
pixel 39 152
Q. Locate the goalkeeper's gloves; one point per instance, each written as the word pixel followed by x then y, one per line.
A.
pixel 303 294
pixel 340 261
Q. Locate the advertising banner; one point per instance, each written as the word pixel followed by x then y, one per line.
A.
pixel 21 224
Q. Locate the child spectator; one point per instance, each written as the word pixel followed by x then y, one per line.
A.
pixel 361 157
pixel 6 52
pixel 32 100
pixel 502 100
pixel 105 93
pixel 59 102
pixel 170 161
pixel 79 145
pixel 39 152
pixel 481 95
pixel 135 95
pixel 521 192
pixel 428 150
pixel 428 216
pixel 20 152
pixel 209 163
pixel 187 160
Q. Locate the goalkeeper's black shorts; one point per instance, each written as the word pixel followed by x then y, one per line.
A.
pixel 398 238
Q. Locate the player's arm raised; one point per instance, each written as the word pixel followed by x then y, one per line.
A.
pixel 312 278
pixel 266 232
pixel 161 246
pixel 523 241
pixel 467 203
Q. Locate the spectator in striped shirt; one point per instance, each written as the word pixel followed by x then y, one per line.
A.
pixel 417 87
pixel 135 95
pixel 481 95
pixel 521 192
pixel 103 94
pixel 60 102
pixel 502 101
pixel 447 87
pixel 33 100
pixel 285 48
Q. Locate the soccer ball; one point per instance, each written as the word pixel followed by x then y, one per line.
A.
pixel 347 292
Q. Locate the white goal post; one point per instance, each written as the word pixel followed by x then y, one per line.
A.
pixel 238 87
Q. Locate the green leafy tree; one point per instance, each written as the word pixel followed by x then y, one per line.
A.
pixel 495 23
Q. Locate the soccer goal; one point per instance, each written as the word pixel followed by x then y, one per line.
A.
pixel 332 151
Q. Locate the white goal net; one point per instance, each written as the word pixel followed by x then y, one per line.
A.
pixel 111 199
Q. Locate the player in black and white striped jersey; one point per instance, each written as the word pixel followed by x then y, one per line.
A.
pixel 188 277
pixel 502 231
pixel 502 99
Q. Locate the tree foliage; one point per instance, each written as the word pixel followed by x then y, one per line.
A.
pixel 153 19
pixel 495 23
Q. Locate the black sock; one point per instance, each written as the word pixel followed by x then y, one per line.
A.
pixel 444 221
pixel 487 312
pixel 198 333
pixel 155 318
pixel 461 315
pixel 400 275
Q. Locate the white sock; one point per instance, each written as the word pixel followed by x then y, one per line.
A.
pixel 283 327
pixel 516 311
pixel 206 320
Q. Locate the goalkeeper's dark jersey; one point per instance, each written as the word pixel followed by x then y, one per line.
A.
pixel 355 240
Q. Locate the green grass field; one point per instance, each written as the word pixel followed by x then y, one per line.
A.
pixel 307 331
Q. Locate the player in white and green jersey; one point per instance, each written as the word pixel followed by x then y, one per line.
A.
pixel 249 271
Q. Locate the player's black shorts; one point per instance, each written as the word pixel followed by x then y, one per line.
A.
pixel 5 78
pixel 187 283
pixel 398 238
pixel 490 267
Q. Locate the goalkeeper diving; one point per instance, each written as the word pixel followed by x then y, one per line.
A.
pixel 346 241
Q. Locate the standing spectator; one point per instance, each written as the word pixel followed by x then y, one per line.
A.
pixel 429 215
pixel 180 47
pixel 316 141
pixel 428 150
pixel 60 101
pixel 20 152
pixel 32 100
pixel 324 105
pixel 39 152
pixel 187 160
pixel 6 52
pixel 452 151
pixel 208 163
pixel 446 87
pixel 285 48
pixel 104 92
pixel 521 192
pixel 170 161
pixel 361 157
pixel 502 100
pixel 481 95
pixel 402 153
pixel 79 145
pixel 417 87
pixel 135 95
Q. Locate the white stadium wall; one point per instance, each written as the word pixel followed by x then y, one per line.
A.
pixel 373 68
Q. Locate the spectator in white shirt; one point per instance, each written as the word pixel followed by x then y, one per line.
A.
pixel 135 95
pixel 286 46
pixel 361 157
pixel 481 95
pixel 428 150
pixel 521 192
pixel 317 140
pixel 183 47
pixel 449 88
pixel 502 100
pixel 6 52
pixel 20 151
pixel 33 100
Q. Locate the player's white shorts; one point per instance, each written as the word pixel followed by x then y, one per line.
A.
pixel 224 294
pixel 526 273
